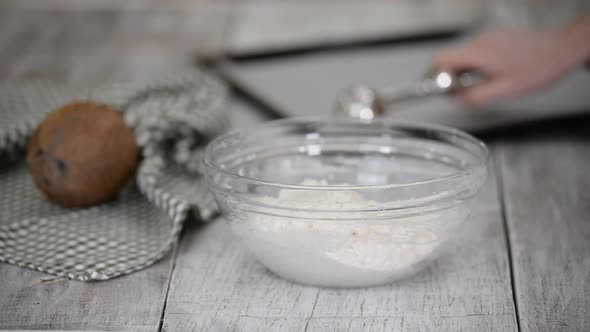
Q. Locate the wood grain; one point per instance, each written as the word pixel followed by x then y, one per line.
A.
pixel 548 212
pixel 270 26
pixel 34 300
pixel 83 47
pixel 91 47
pixel 217 285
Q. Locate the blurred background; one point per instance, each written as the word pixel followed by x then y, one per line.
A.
pixel 291 57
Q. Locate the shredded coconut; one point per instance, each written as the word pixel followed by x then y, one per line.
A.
pixel 340 253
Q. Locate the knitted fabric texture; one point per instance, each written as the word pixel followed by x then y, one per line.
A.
pixel 172 120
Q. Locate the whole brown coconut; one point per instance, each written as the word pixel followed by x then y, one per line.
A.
pixel 82 154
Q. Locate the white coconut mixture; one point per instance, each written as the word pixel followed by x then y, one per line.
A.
pixel 341 253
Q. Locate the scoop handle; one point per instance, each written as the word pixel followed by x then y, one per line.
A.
pixel 436 82
pixel 433 83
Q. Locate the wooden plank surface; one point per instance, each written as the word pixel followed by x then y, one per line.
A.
pixel 90 47
pixel 81 47
pixel 270 26
pixel 218 286
pixel 547 200
pixel 34 300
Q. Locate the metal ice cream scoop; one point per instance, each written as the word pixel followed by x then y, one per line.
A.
pixel 365 103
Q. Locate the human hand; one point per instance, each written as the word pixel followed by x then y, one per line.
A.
pixel 514 62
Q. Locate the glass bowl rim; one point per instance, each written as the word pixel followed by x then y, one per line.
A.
pixel 387 123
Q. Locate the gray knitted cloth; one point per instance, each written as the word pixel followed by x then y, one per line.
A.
pixel 172 120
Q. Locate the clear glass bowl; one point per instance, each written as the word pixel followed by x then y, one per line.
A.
pixel 341 203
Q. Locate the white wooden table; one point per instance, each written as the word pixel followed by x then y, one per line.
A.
pixel 522 262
